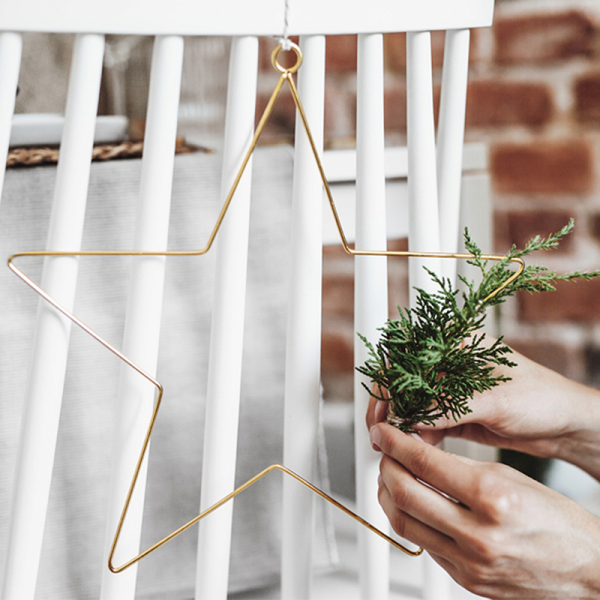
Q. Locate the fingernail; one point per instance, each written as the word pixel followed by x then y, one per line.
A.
pixel 375 438
pixel 379 479
pixel 417 437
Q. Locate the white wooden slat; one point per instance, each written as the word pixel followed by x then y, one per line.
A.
pixel 422 186
pixel 424 232
pixel 10 60
pixel 45 383
pixel 259 17
pixel 450 140
pixel 370 302
pixel 225 354
pixel 142 323
pixel 340 165
pixel 303 349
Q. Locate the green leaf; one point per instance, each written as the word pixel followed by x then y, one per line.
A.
pixel 434 357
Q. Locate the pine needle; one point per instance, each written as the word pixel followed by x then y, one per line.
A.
pixel 430 362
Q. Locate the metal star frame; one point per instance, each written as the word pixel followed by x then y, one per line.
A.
pixel 285 77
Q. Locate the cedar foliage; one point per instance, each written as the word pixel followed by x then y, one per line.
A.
pixel 430 362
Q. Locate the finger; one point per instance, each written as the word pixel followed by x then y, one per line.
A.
pixel 412 529
pixel 433 436
pixel 434 466
pixel 422 502
pixel 484 407
pixel 370 417
pixel 376 412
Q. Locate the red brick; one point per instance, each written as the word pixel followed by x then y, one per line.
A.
pixel 398 245
pixel 587 98
pixel 340 111
pixel 337 353
pixel 395 108
pixel 543 38
pixel 340 54
pixel 554 355
pixel 572 301
pixel 395 50
pixel 543 167
pixel 523 226
pixel 335 252
pixel 338 295
pixel 499 103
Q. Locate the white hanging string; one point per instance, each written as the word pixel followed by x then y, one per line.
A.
pixel 285 42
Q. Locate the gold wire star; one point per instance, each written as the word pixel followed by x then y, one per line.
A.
pixel 285 77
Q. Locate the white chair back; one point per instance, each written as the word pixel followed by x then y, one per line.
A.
pixel 434 190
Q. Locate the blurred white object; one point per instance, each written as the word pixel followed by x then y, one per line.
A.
pixel 46 129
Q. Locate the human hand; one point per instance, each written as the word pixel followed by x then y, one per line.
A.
pixel 538 412
pixel 505 536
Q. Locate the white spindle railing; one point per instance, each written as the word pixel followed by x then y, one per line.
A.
pixel 47 372
pixel 303 344
pixel 433 216
pixel 225 355
pixel 370 301
pixel 142 323
pixel 10 60
pixel 424 212
pixel 450 139
pixel 422 187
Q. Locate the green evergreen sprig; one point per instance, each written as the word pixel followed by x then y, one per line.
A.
pixel 430 362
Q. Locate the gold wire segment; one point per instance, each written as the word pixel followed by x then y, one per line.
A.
pixel 338 223
pixel 157 402
pixel 285 77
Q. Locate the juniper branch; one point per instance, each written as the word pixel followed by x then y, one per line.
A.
pixel 434 358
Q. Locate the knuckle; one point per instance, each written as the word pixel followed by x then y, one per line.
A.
pixel 485 547
pixel 399 523
pixel 476 578
pixel 400 496
pixel 497 498
pixel 420 461
pixel 476 584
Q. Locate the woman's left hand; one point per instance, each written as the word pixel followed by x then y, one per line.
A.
pixel 498 533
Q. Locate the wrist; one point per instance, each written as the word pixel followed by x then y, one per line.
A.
pixel 580 445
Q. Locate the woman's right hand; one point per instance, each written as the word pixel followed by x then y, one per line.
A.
pixel 497 532
pixel 538 412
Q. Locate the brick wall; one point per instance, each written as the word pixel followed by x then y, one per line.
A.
pixel 534 98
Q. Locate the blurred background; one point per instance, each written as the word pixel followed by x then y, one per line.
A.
pixel 533 100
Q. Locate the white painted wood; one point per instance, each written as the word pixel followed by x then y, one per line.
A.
pixel 45 384
pixel 340 167
pixel 10 61
pixel 142 324
pixel 262 17
pixel 36 129
pixel 303 344
pixel 450 139
pixel 370 302
pixel 422 186
pixel 225 354
pixel 424 232
pixel 259 17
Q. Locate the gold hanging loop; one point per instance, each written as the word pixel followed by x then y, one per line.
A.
pixel 285 77
pixel 286 71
